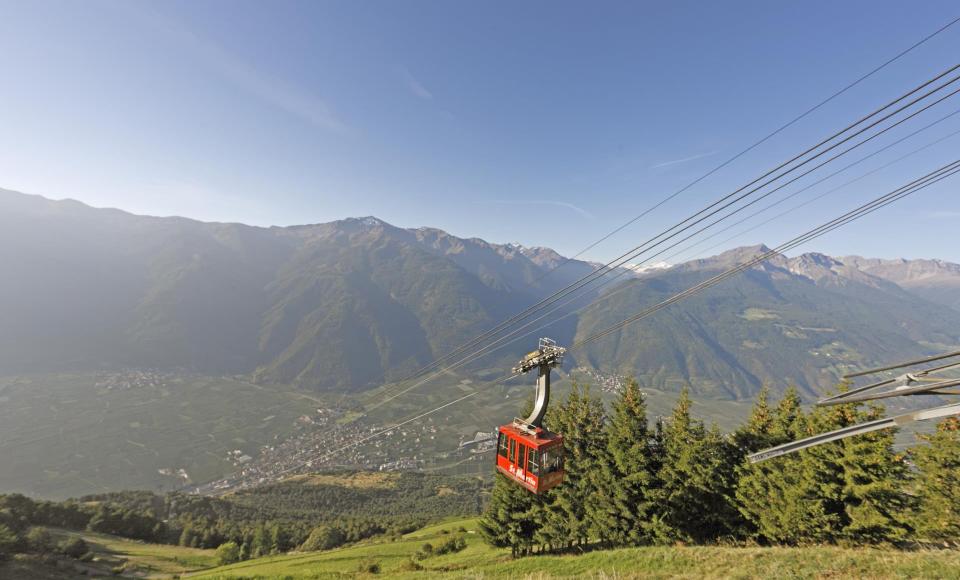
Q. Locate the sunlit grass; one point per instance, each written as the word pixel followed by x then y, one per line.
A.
pixel 480 561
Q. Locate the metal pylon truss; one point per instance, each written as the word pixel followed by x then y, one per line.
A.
pixel 926 380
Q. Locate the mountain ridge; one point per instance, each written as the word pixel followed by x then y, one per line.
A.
pixel 355 303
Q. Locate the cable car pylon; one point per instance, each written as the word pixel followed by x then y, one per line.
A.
pixel 527 453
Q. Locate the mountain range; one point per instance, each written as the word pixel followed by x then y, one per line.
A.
pixel 356 303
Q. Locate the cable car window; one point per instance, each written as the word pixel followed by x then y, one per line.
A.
pixel 513 451
pixel 502 445
pixel 552 460
pixel 533 461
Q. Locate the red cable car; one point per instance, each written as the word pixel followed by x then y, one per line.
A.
pixel 534 458
pixel 526 452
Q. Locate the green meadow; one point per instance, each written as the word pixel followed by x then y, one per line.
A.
pixel 398 559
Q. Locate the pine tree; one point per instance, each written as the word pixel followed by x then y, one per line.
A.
pixel 624 502
pixel 938 483
pixel 787 500
pixel 512 517
pixel 757 432
pixel 876 507
pixel 581 420
pixel 696 479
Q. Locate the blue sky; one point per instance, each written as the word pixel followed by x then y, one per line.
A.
pixel 547 123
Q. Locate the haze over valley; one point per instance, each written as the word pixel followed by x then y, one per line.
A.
pixel 195 348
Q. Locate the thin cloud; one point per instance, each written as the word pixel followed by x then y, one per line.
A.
pixel 273 91
pixel 684 160
pixel 413 85
pixel 554 203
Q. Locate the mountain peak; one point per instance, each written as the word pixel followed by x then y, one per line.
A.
pixel 728 258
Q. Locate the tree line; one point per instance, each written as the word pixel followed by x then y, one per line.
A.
pixel 297 514
pixel 633 482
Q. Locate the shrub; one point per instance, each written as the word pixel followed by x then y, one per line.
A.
pixel 73 547
pixel 324 538
pixel 228 553
pixel 411 565
pixel 39 540
pixel 8 541
pixel 451 546
pixel 369 567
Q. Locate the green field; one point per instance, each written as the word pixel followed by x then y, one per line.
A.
pixel 478 560
pixel 396 558
pixel 112 556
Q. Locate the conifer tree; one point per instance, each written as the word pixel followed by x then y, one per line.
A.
pixel 875 478
pixel 696 480
pixel 757 432
pixel 512 517
pixel 624 502
pixel 938 483
pixel 581 420
pixel 786 500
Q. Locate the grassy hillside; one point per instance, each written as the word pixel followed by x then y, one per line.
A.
pixel 397 560
pixel 112 556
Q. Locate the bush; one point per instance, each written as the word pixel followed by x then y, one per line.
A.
pixel 411 565
pixel 324 538
pixel 39 540
pixel 228 553
pixel 424 552
pixel 73 547
pixel 8 541
pixel 369 567
pixel 451 546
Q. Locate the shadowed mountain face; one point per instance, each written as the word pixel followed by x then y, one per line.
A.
pixel 343 305
pixel 355 303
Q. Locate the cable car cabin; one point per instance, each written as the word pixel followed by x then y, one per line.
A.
pixel 532 457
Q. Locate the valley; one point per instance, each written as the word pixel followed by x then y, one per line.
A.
pixel 193 384
pixel 340 290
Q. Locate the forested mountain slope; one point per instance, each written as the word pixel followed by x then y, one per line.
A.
pixel 803 321
pixel 353 304
pixel 338 306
